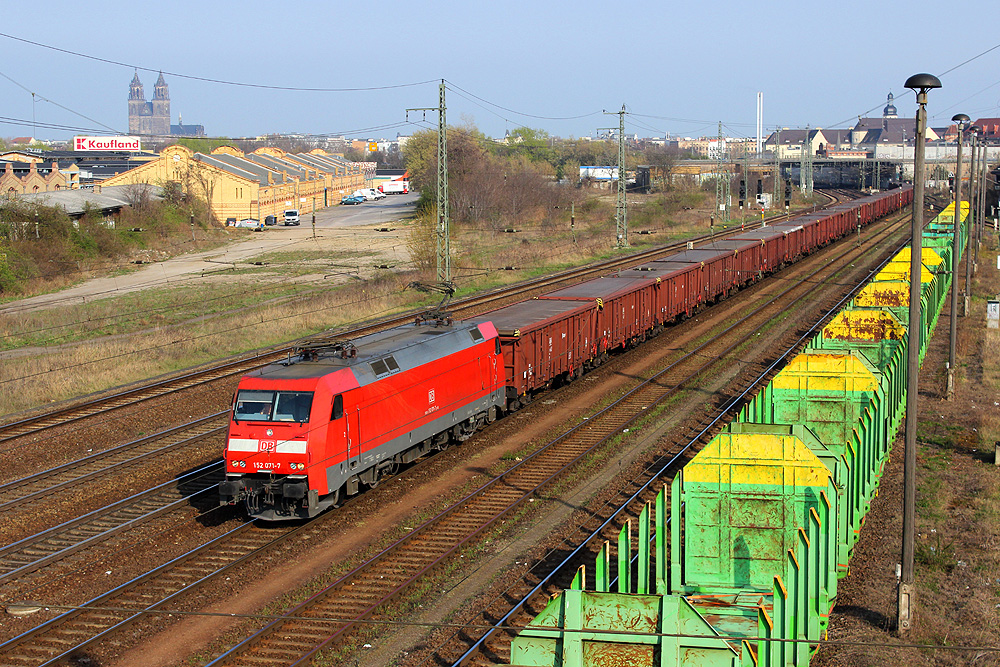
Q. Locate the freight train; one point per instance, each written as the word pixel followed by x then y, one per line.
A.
pixel 740 567
pixel 337 417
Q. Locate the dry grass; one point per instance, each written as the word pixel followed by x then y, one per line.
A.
pixel 97 365
pixel 61 353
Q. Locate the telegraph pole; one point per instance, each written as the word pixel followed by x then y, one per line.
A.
pixel 621 209
pixel 973 194
pixel 443 240
pixel 721 184
pixel 805 166
pixel 777 165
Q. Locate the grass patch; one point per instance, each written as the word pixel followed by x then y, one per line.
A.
pixel 138 311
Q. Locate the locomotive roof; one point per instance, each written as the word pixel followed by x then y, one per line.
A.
pixel 409 345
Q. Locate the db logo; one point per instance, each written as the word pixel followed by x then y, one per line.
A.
pixel 267 445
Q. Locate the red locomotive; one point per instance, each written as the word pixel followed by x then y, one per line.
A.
pixel 306 431
pixel 313 429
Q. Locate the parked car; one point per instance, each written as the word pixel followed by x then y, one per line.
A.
pixel 230 222
pixel 375 193
pixel 352 199
pixel 291 216
pixel 270 220
pixel 250 223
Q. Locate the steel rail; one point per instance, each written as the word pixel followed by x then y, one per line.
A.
pixel 189 588
pixel 257 358
pixel 346 623
pixel 88 468
pixel 560 569
pixel 36 551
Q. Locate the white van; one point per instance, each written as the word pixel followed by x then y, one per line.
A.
pixel 291 216
pixel 369 194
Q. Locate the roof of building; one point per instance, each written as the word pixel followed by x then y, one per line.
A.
pixel 250 166
pixel 75 202
pixel 990 126
pixel 278 164
pixel 239 170
pixel 837 136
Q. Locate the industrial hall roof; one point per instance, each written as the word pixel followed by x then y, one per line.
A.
pixel 76 202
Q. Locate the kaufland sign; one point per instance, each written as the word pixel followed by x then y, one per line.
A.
pixel 106 144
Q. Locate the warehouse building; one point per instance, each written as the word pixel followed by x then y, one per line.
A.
pixel 251 185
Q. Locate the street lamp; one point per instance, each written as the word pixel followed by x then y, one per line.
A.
pixel 920 84
pixel 962 121
pixel 975 131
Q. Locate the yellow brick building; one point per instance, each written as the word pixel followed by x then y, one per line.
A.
pixel 250 185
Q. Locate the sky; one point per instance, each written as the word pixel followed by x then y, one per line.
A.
pixel 677 67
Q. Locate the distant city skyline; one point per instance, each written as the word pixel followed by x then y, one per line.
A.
pixel 557 67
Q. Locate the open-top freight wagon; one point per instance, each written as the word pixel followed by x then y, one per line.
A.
pixel 336 417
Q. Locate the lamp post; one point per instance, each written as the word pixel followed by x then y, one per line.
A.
pixel 973 193
pixel 981 220
pixel 962 121
pixel 920 84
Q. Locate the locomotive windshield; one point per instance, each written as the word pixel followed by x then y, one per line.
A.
pixel 273 406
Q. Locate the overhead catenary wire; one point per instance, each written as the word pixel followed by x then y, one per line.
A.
pixel 64 108
pixel 225 82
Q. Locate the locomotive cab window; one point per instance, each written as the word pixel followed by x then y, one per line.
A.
pixel 338 407
pixel 280 406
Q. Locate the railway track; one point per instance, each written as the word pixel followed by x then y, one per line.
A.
pixel 102 405
pixel 461 525
pixel 113 462
pixel 502 618
pixel 331 615
pixel 326 619
pixel 25 556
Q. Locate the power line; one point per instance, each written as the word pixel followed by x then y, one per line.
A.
pixel 519 113
pixel 64 108
pixel 7 120
pixel 211 80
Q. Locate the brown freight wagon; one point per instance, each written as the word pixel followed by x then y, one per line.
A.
pixel 626 308
pixel 543 341
pixel 678 284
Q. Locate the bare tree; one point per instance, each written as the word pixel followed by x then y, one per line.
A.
pixel 139 196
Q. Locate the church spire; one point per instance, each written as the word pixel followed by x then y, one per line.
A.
pixel 160 91
pixel 135 88
pixel 890 109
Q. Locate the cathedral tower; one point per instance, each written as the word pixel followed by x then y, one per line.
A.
pixel 161 107
pixel 137 107
pixel 149 118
